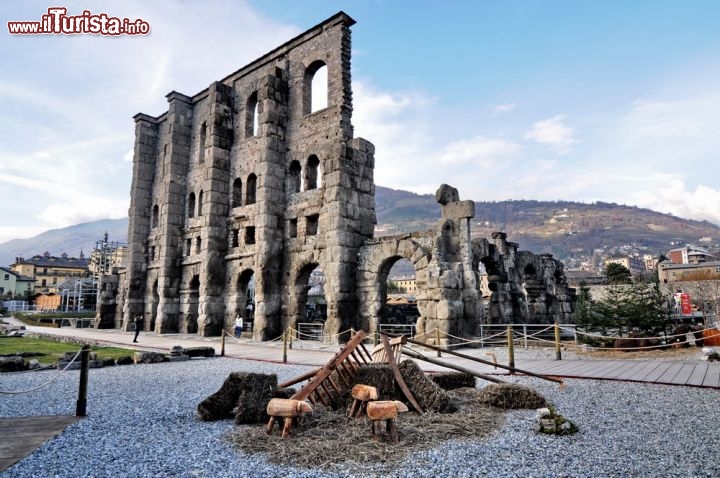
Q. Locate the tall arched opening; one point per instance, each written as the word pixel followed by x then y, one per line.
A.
pixel 193 299
pixel 311 310
pixel 245 298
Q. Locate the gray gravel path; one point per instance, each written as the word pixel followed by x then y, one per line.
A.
pixel 142 422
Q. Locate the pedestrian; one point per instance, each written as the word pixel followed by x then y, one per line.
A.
pixel 138 323
pixel 238 326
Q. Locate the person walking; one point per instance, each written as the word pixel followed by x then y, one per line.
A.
pixel 138 322
pixel 238 326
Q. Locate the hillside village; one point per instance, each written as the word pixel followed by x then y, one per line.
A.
pixel 49 283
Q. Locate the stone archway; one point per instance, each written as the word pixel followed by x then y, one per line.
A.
pixel 376 258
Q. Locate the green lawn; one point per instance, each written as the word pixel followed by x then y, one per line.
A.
pixel 52 350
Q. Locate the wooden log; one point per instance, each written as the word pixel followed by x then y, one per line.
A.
pixel 364 392
pixel 418 356
pixel 392 430
pixel 285 407
pixel 479 360
pixel 378 428
pixel 398 376
pixel 299 378
pixel 385 409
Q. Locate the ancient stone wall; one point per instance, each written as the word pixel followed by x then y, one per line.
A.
pixel 240 191
pixel 244 181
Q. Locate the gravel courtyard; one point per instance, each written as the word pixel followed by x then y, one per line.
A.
pixel 142 421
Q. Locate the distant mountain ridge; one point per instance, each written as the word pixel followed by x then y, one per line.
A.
pixel 569 230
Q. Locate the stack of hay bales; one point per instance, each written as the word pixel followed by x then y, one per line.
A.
pixel 453 380
pixel 243 395
pixel 511 396
pixel 427 394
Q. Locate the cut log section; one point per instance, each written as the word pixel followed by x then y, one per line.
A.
pixel 287 409
pixel 361 394
pixel 384 418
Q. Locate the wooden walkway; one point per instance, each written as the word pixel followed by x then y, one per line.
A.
pixel 695 374
pixel 23 435
pixel 692 374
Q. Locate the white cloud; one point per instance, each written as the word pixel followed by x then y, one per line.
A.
pixel 66 102
pixel 479 150
pixel 695 117
pixel 702 203
pixel 554 133
pixel 504 108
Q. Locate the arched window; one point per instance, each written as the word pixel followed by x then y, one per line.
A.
pixel 200 204
pixel 191 205
pixel 155 215
pixel 252 116
pixel 250 186
pixel 312 173
pixel 201 145
pixel 294 177
pixel 316 87
pixel 237 193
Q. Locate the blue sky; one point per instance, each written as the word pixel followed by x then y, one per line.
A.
pixel 615 101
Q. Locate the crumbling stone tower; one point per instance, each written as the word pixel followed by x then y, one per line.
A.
pixel 247 179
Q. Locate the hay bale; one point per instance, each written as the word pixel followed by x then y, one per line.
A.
pixel 453 380
pixel 257 389
pixel 220 404
pixel 511 396
pixel 427 394
pixel 239 391
pixel 284 392
pixel 381 377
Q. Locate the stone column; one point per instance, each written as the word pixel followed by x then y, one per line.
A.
pixel 144 157
pixel 175 153
pixel 216 184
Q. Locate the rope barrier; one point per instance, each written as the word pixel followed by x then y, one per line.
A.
pixel 662 337
pixel 43 385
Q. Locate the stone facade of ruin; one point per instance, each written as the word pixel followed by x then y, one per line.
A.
pixel 246 180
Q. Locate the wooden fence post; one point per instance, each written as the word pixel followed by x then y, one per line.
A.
pixel 437 340
pixel 222 343
pixel 511 348
pixel 81 407
pixel 284 338
pixel 558 352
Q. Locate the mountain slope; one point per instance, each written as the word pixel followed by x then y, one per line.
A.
pixel 72 240
pixel 571 231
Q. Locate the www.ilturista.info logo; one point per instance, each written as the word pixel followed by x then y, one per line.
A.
pixel 58 22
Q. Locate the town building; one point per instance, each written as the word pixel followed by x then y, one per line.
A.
pixel 48 271
pixel 690 254
pixel 633 264
pixel 14 285
pixel 669 272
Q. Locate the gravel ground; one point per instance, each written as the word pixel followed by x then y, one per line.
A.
pixel 142 421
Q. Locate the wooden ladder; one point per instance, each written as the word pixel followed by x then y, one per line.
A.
pixel 346 362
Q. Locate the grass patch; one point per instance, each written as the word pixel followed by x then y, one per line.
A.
pixel 50 350
pixel 49 319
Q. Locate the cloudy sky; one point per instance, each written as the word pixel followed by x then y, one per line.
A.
pixel 610 101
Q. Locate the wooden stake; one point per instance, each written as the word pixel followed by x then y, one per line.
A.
pixel 511 348
pixel 81 407
pixel 558 352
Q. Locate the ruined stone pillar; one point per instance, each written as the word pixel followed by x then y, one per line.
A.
pixel 215 186
pixel 144 157
pixel 174 154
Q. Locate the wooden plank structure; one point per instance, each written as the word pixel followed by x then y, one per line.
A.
pixel 380 354
pixel 322 387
